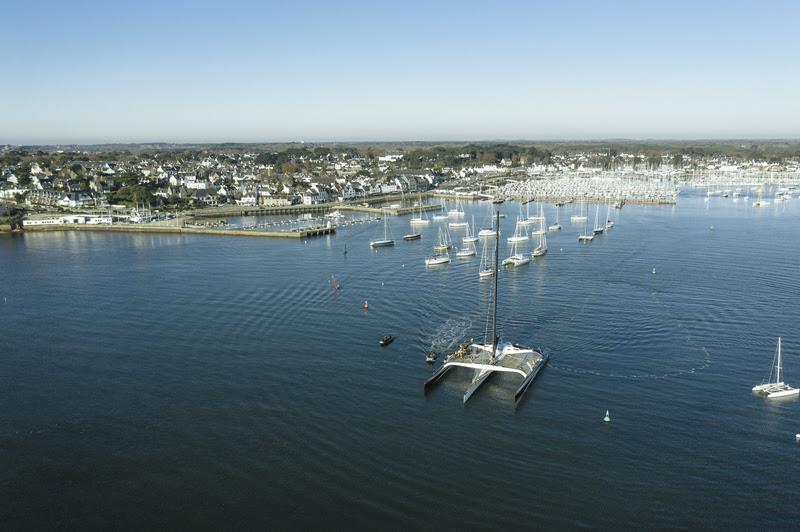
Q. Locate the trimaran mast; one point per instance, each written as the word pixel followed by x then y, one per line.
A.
pixel 496 272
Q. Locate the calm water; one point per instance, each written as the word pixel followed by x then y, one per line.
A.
pixel 151 380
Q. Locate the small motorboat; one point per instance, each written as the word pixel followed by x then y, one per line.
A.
pixel 430 358
pixel 386 340
pixel 412 236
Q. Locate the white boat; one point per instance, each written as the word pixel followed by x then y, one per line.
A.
pixel 468 251
pixel 556 226
pixel 774 386
pixel 386 240
pixel 485 271
pixel 444 242
pixel 441 217
pixel 487 233
pixel 519 236
pixel 516 258
pixel 470 238
pixel 458 225
pixel 492 356
pixel 422 219
pixel 440 258
pixel 609 223
pixel 598 229
pixel 540 220
pixel 579 217
pixel 457 212
pixel 535 218
pixel 541 246
pixel 585 236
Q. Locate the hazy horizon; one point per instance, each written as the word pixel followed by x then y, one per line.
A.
pixel 242 72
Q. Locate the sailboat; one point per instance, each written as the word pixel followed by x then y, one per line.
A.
pixel 541 220
pixel 470 233
pixel 579 217
pixel 519 236
pixel 536 218
pixel 516 258
pixel 467 251
pixel 489 232
pixel 598 229
pixel 440 254
pixel 586 236
pixel 486 270
pixel 609 223
pixel 441 217
pixel 444 241
pixel 492 356
pixel 556 226
pixel 541 247
pixel 386 240
pixel 458 211
pixel 422 219
pixel 775 387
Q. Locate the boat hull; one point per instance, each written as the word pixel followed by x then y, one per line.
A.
pixel 433 261
pixel 381 243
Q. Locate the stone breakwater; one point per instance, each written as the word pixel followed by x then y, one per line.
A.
pixel 145 228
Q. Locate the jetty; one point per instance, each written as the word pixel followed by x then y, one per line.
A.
pixel 304 233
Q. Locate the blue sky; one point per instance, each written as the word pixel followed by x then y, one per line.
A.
pixel 76 72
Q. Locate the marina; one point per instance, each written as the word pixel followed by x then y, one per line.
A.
pixel 618 338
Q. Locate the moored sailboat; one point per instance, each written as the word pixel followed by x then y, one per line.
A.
pixel 386 240
pixel 420 219
pixel 774 386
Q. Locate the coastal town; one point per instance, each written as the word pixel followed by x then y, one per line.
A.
pixel 135 184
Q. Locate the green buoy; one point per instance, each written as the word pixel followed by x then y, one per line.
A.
pixel 607 418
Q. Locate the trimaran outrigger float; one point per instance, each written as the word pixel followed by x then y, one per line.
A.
pixel 498 356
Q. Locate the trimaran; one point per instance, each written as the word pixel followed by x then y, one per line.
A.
pixel 496 355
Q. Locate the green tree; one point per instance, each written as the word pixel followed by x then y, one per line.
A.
pixel 289 168
pixel 23 173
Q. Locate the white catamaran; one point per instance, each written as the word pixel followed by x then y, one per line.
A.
pixel 774 386
pixel 492 356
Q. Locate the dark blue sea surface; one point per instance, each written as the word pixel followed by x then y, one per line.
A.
pixel 206 381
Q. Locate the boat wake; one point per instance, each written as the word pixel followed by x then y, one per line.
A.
pixel 704 364
pixel 448 335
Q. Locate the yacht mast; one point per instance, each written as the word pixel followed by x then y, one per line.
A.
pixel 496 275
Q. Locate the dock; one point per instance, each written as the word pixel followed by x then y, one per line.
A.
pixel 304 233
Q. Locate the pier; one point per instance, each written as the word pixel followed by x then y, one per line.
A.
pixel 308 232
